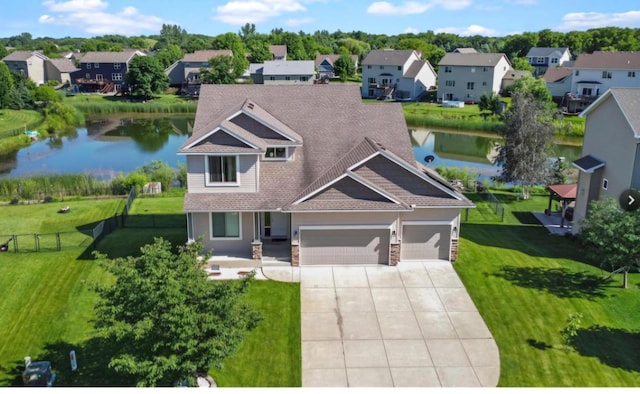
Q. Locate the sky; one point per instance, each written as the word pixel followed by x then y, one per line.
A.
pixel 89 18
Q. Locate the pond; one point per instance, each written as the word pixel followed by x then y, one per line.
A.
pixel 106 146
pixel 477 152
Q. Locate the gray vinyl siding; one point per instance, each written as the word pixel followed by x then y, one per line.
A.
pixel 282 79
pixel 635 177
pixel 462 75
pixel 196 176
pixel 234 247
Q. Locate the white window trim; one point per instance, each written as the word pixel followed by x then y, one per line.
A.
pixel 221 184
pixel 285 158
pixel 605 184
pixel 238 238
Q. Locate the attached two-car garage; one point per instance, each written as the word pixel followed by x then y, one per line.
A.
pixel 355 246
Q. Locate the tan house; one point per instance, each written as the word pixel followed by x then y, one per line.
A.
pixel 278 52
pixel 29 63
pixel 610 162
pixel 467 76
pixel 311 175
pixel 60 70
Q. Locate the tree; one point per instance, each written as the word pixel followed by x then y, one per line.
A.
pixel 159 171
pixel 344 67
pixel 536 87
pixel 528 137
pixel 220 71
pixel 489 103
pixel 258 51
pixel 521 63
pixel 45 93
pixel 6 86
pixel 247 32
pixel 146 76
pixel 611 236
pixel 169 55
pixel 166 319
pixel 232 42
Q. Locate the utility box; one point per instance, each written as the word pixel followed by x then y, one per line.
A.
pixel 37 373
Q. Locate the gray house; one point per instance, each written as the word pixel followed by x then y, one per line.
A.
pixel 60 70
pixel 610 161
pixel 311 175
pixel 283 72
pixel 467 76
pixel 186 71
pixel 31 64
pixel 543 58
pixel 324 65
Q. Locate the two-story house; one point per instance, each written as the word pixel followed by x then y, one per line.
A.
pixel 595 73
pixel 397 75
pixel 103 71
pixel 610 162
pixel 29 63
pixel 324 65
pixel 314 175
pixel 186 71
pixel 280 72
pixel 542 58
pixel 60 70
pixel 467 76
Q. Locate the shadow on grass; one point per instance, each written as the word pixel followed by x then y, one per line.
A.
pixel 533 241
pixel 538 344
pixel 560 282
pixel 525 217
pixel 615 347
pixel 93 370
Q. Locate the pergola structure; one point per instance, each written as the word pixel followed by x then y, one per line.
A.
pixel 566 194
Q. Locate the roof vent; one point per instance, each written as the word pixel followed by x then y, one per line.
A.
pixel 250 105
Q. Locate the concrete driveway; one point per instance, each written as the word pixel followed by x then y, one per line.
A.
pixel 413 325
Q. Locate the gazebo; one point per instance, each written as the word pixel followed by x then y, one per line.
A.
pixel 565 194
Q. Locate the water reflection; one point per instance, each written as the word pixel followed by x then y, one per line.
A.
pixel 466 150
pixel 105 146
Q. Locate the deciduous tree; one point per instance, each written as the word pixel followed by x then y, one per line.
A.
pixel 6 86
pixel 221 71
pixel 528 138
pixel 146 77
pixel 344 67
pixel 165 317
pixel 611 236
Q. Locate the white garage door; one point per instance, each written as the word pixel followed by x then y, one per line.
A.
pixel 425 242
pixel 361 246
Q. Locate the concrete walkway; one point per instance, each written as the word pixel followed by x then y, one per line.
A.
pixel 552 223
pixel 378 326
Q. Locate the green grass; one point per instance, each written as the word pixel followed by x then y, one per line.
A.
pixel 18 119
pixel 108 104
pixel 525 282
pixel 270 355
pixel 47 301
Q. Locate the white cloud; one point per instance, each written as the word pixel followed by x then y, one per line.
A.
pixel 592 20
pixel 239 12
pixel 415 7
pixel 75 5
pixel 411 30
pixel 471 30
pixel 298 22
pixel 90 16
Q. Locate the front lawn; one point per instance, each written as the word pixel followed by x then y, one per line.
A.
pixel 47 301
pixel 525 283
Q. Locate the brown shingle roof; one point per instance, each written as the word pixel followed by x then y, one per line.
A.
pixel 204 56
pixel 333 122
pixel 332 59
pixel 471 59
pixel 278 50
pixel 63 65
pixel 609 60
pixel 556 74
pixel 416 67
pixel 23 55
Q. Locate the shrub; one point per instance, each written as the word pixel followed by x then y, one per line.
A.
pixel 48 199
pixel 14 201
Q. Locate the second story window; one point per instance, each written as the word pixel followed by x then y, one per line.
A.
pixel 447 69
pixel 96 65
pixel 554 60
pixel 631 74
pixel 540 60
pixel 369 67
pixel 450 83
pixel 276 153
pixel 222 169
pixel 88 66
pixel 117 66
pixel 471 85
pixel 399 68
pixel 381 67
pixel 606 74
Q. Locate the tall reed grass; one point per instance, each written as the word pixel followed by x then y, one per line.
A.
pixel 39 187
pixel 463 123
pixel 148 107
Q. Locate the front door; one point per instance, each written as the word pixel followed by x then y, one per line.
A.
pixel 276 225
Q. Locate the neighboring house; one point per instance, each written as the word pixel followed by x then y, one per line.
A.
pixel 511 76
pixel 278 72
pixel 279 52
pixel 103 71
pixel 543 58
pixel 29 63
pixel 595 73
pixel 467 76
pixel 397 75
pixel 60 70
pixel 610 162
pixel 312 175
pixel 558 81
pixel 186 71
pixel 324 65
pixel 464 50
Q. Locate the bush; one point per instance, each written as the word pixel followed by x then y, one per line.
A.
pixel 48 199
pixel 14 201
